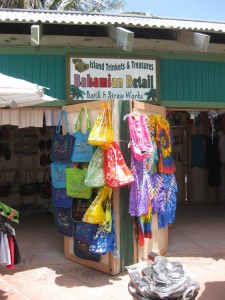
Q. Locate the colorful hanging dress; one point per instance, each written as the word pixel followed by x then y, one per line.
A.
pixel 163 140
pixel 138 204
pixel 167 216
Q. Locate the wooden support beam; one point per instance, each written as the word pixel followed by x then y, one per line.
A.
pixel 193 40
pixel 123 38
pixel 36 33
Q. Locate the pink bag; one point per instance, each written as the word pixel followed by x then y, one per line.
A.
pixel 115 169
pixel 140 140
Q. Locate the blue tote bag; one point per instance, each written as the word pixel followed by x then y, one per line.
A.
pixel 82 151
pixel 105 241
pixel 60 198
pixel 63 221
pixel 59 174
pixel 62 145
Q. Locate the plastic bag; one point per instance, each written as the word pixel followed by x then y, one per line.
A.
pixel 95 213
pixel 116 171
pixel 95 174
pixel 102 132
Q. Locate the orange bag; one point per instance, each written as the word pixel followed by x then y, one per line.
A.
pixel 102 132
pixel 115 169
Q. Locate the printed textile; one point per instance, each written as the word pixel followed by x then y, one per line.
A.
pixel 168 215
pixel 163 139
pixel 138 205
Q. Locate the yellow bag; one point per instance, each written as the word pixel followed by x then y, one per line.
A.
pixel 95 213
pixel 102 132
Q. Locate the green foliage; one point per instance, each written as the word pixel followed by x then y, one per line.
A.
pixel 151 95
pixel 76 93
pixel 69 5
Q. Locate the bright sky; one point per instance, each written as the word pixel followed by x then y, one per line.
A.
pixel 209 10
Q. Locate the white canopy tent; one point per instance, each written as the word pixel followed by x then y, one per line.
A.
pixel 16 92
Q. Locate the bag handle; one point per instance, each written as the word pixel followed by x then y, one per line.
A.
pixel 46 173
pixel 88 119
pixel 30 175
pixel 63 115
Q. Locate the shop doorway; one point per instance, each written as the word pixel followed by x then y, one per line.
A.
pixel 198 147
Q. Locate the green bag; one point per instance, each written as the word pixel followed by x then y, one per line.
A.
pixel 75 185
pixel 95 174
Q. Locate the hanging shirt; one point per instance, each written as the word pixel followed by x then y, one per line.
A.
pixel 198 151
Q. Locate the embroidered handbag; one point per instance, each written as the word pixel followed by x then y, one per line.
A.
pixel 116 171
pixel 85 231
pixel 63 221
pixel 30 186
pixel 82 150
pixel 105 241
pixel 62 145
pixel 140 140
pixel 59 174
pixel 95 213
pixel 60 198
pixel 95 173
pixel 46 185
pixel 75 183
pixel 81 250
pixel 102 132
pixel 79 207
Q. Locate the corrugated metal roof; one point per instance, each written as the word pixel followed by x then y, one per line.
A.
pixel 126 20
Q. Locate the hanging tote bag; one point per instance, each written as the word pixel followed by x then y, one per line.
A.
pixel 62 145
pixel 79 207
pixel 82 238
pixel 75 183
pixel 116 171
pixel 59 174
pixel 46 185
pixel 82 150
pixel 60 198
pixel 95 213
pixel 105 241
pixel 63 220
pixel 140 139
pixel 102 132
pixel 95 173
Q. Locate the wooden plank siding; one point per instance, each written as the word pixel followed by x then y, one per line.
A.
pixel 183 82
pixel 46 70
pixel 190 83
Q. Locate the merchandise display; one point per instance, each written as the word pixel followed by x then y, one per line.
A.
pixel 154 188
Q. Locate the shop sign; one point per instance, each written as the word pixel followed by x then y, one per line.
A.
pixel 112 78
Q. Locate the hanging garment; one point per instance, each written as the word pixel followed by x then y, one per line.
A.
pixel 140 140
pixel 52 117
pixel 163 140
pixel 213 162
pixel 222 148
pixel 138 204
pixel 11 249
pixel 145 226
pixel 6 117
pixel 29 118
pixel 167 216
pixel 198 151
pixel 156 192
pixel 5 258
pixel 151 161
pixel 14 117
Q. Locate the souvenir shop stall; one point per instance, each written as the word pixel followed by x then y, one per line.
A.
pixel 96 166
